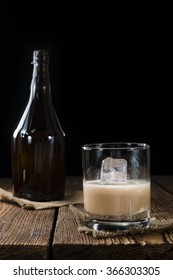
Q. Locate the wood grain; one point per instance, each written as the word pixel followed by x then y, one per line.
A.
pixel 68 243
pixel 25 234
pixel 47 234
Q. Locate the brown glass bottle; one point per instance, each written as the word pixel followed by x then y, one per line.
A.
pixel 38 142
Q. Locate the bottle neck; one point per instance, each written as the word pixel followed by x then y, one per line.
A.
pixel 40 85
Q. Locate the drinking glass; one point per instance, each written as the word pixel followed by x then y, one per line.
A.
pixel 116 185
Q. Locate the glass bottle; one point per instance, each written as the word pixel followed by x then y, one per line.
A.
pixel 38 142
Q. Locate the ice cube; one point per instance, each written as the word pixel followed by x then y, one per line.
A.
pixel 114 169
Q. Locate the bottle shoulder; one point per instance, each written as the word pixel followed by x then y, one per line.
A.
pixel 39 116
pixel 38 134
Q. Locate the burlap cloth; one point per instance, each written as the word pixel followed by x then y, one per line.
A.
pixel 7 196
pixel 157 224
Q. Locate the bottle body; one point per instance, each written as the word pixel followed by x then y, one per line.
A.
pixel 38 165
pixel 38 145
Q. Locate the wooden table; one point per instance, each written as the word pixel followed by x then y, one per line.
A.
pixel 53 233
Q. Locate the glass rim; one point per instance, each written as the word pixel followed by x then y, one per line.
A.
pixel 116 146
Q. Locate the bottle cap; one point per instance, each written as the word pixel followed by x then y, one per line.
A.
pixel 40 56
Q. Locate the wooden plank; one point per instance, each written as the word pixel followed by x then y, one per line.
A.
pixel 68 243
pixel 25 234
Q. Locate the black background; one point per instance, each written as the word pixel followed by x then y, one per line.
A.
pixel 110 71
